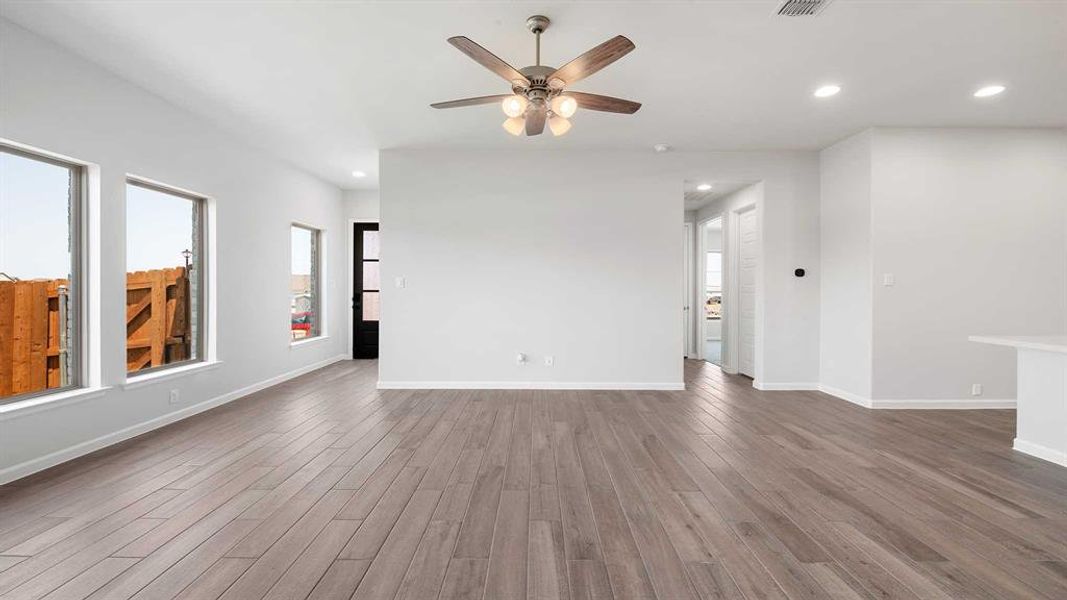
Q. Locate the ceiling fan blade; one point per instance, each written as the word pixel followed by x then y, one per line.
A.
pixel 604 103
pixel 487 59
pixel 471 101
pixel 594 60
pixel 535 120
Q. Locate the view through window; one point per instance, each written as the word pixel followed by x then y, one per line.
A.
pixel 163 277
pixel 713 286
pixel 39 215
pixel 304 318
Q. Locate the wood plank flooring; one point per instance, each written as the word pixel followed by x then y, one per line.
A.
pixel 325 488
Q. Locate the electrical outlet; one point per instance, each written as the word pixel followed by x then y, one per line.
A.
pixel 549 361
pixel 174 397
pixel 976 389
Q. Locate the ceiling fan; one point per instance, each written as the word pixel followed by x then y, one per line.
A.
pixel 539 92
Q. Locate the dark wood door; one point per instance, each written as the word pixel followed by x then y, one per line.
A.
pixel 366 303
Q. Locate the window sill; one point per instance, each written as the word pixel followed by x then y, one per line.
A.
pixel 308 341
pixel 137 381
pixel 14 410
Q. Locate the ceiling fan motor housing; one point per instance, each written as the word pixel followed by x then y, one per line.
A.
pixel 538 90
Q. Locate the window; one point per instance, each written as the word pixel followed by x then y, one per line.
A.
pixel 713 285
pixel 40 289
pixel 371 280
pixel 164 277
pixel 304 307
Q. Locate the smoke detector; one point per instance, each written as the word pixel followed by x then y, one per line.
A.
pixel 801 8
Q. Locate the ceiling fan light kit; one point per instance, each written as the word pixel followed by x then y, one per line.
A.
pixel 515 125
pixel 538 93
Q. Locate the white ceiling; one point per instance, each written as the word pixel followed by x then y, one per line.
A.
pixel 326 85
pixel 696 199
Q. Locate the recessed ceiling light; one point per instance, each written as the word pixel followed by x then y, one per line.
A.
pixel 704 187
pixel 827 90
pixel 358 174
pixel 989 90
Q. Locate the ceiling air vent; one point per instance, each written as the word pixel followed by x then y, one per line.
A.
pixel 801 8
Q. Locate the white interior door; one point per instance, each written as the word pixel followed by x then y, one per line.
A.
pixel 748 261
pixel 687 293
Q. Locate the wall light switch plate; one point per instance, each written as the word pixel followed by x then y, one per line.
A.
pixel 174 397
pixel 549 361
pixel 889 280
pixel 401 282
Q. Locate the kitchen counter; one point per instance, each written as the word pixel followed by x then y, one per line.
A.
pixel 1041 400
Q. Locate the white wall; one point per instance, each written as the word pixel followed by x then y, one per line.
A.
pixel 362 205
pixel 497 266
pixel 56 101
pixel 846 325
pixel 972 225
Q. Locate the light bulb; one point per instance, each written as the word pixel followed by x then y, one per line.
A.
pixel 564 106
pixel 514 106
pixel 515 125
pixel 558 125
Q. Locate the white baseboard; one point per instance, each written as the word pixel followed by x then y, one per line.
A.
pixel 41 463
pixel 784 387
pixel 848 396
pixel 918 404
pixel 1043 452
pixel 524 385
pixel 960 404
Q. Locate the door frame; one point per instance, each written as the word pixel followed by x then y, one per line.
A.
pixel 351 243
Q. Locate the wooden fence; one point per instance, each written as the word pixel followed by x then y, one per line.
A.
pixel 33 328
pixel 32 335
pixel 157 318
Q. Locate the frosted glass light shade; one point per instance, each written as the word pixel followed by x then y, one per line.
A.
pixel 558 125
pixel 515 125
pixel 514 106
pixel 564 106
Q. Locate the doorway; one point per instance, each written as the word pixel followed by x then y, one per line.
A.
pixel 711 329
pixel 366 295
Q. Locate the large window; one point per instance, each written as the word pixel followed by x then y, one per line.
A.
pixel 305 318
pixel 164 277
pixel 40 290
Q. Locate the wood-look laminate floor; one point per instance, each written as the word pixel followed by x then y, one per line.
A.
pixel 323 487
